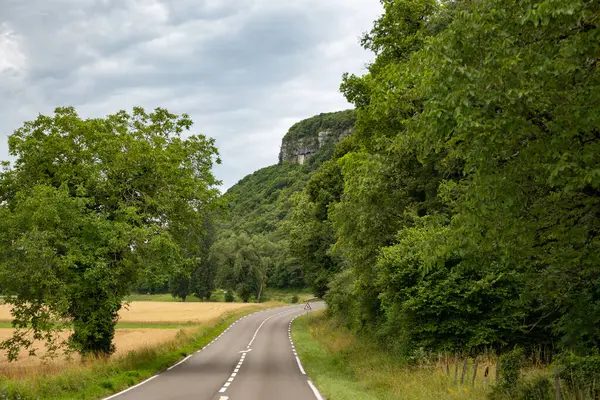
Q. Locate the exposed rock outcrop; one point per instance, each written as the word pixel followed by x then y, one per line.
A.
pixel 306 137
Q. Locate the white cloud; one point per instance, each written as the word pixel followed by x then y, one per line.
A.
pixel 245 71
pixel 12 59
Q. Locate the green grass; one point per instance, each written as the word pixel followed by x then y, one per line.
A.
pixel 100 378
pixel 270 294
pixel 286 295
pixel 159 297
pixel 344 366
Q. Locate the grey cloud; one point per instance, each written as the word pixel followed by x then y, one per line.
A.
pixel 245 71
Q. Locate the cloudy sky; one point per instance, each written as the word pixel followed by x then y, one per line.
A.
pixel 245 70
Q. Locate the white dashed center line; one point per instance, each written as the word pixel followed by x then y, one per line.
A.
pixel 248 349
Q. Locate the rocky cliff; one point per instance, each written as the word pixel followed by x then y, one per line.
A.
pixel 306 137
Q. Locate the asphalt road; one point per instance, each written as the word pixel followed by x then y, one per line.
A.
pixel 253 359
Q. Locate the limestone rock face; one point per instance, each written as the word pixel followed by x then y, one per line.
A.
pixel 308 136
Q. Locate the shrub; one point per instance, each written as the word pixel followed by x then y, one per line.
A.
pixel 294 299
pixel 510 375
pixel 579 373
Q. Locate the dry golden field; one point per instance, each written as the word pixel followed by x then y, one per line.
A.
pixel 126 339
pixel 171 312
pixel 164 312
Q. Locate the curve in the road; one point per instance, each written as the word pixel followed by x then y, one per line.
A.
pixel 261 342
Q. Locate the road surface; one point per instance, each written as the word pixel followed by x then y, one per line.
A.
pixel 253 359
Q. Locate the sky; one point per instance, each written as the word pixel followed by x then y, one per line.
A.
pixel 244 70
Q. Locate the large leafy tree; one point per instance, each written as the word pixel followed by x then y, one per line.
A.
pixel 88 208
pixel 469 213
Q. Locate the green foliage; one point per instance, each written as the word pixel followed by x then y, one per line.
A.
pixel 510 369
pixel 579 373
pixel 261 207
pixel 470 202
pixel 258 202
pixel 90 207
pixel 243 262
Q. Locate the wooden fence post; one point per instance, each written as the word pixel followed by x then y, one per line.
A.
pixel 485 375
pixel 475 371
pixel 557 395
pixel 464 371
pixel 456 368
pixel 441 363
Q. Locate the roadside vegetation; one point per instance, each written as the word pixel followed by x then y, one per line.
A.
pixel 347 366
pixel 220 295
pixel 96 377
pixel 463 214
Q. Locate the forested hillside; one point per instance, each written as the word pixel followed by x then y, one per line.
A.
pixel 464 213
pixel 252 247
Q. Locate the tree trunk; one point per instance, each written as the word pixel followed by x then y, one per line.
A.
pixel 262 281
pixel 94 325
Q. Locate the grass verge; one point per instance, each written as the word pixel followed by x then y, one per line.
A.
pixel 270 294
pixel 344 366
pixel 99 378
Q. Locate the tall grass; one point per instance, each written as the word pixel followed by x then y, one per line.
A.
pixel 97 378
pixel 345 366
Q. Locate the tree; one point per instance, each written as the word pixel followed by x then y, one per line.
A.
pixel 180 285
pixel 470 209
pixel 203 279
pixel 243 262
pixel 89 207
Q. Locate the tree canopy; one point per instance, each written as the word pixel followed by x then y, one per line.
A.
pixel 466 213
pixel 90 206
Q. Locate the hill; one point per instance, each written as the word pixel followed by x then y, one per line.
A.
pixel 252 247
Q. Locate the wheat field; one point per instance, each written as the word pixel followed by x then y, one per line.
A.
pixel 164 312
pixel 126 339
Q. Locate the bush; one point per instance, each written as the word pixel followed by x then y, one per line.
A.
pixel 579 373
pixel 510 375
pixel 539 388
pixel 294 299
pixel 228 296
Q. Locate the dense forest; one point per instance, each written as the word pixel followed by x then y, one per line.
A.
pixel 463 213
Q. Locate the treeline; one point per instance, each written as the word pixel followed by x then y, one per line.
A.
pixel 464 212
pixel 250 249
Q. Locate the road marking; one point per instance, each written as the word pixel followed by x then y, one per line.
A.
pixel 248 349
pixel 131 388
pixel 260 326
pixel 315 391
pixel 182 361
pixel 185 359
pixel 300 366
